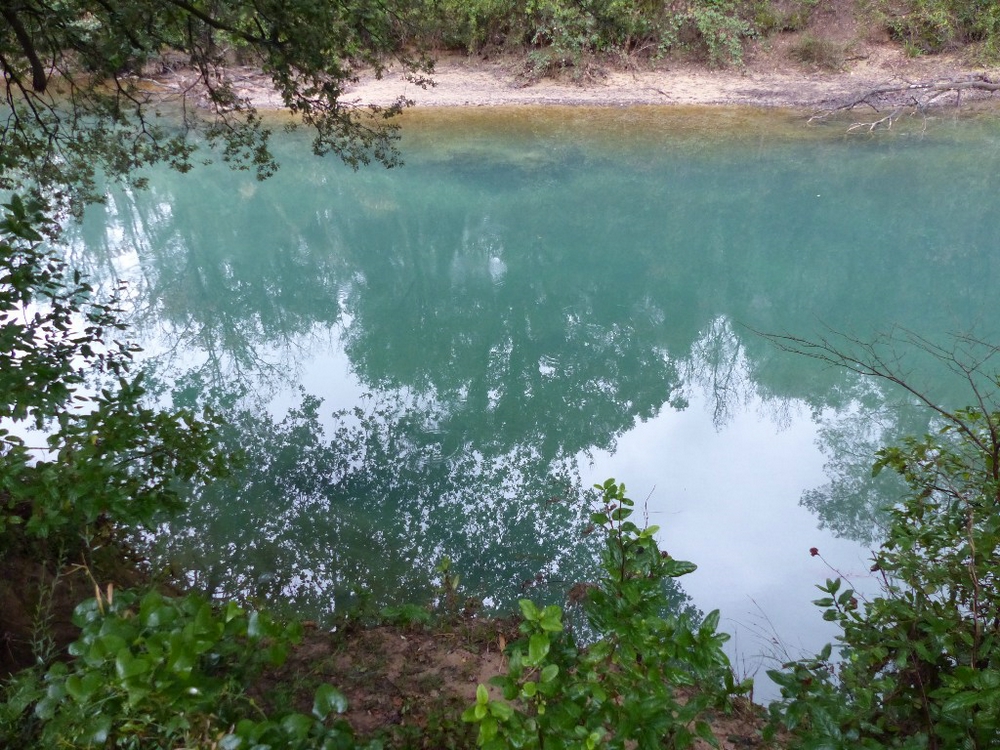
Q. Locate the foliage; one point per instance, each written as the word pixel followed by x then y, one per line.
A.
pixel 925 26
pixel 823 53
pixel 918 665
pixel 770 17
pixel 107 458
pixel 78 106
pixel 647 679
pixel 165 672
pixel 560 32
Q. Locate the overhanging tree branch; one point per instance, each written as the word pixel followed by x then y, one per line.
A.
pixel 89 111
pixel 39 79
pixel 968 357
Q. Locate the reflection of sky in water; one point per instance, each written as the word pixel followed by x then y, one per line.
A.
pixel 726 498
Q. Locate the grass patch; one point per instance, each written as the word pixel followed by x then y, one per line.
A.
pixel 819 53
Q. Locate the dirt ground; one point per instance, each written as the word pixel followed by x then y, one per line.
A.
pixel 770 79
pixel 410 685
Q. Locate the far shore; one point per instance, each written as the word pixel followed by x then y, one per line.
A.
pixel 767 81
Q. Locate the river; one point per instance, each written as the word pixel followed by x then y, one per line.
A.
pixel 437 360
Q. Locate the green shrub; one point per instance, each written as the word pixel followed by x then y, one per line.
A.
pixel 645 681
pixel 105 457
pixel 721 31
pixel 157 671
pixel 927 26
pixel 919 665
pixel 561 32
pixel 772 17
pixel 822 53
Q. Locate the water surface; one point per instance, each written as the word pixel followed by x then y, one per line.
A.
pixel 540 299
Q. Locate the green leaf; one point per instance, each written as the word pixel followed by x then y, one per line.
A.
pixel 254 629
pixel 620 514
pixel 551 619
pixel 528 610
pixel 153 612
pixel 711 621
pixel 538 649
pixel 549 673
pixel 74 688
pixel 487 729
pixel 128 666
pixel 704 730
pixel 103 648
pixel 961 701
pixel 182 659
pixel 297 726
pixel 231 611
pixel 501 710
pixel 677 568
pixel 100 730
pixel 328 699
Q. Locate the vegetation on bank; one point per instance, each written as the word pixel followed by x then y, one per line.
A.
pixel 557 34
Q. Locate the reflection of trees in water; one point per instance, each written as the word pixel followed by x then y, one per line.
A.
pixel 856 415
pixel 899 384
pixel 524 347
pixel 852 502
pixel 226 280
pixel 515 312
pixel 721 368
pixel 318 515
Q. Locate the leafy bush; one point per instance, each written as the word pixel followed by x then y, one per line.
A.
pixel 771 17
pixel 156 671
pixel 933 25
pixel 649 676
pixel 107 457
pixel 721 31
pixel 561 32
pixel 822 53
pixel 919 665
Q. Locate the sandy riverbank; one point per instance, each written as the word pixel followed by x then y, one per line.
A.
pixel 463 81
pixel 765 81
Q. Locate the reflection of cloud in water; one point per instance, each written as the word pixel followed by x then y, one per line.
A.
pixel 726 497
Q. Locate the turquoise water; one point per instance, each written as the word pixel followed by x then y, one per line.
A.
pixel 537 300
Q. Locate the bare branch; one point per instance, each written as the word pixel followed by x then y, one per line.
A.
pixel 903 97
pixel 880 358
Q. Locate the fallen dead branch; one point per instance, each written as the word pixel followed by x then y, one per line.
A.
pixel 892 101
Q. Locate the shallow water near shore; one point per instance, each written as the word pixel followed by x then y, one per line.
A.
pixel 539 299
